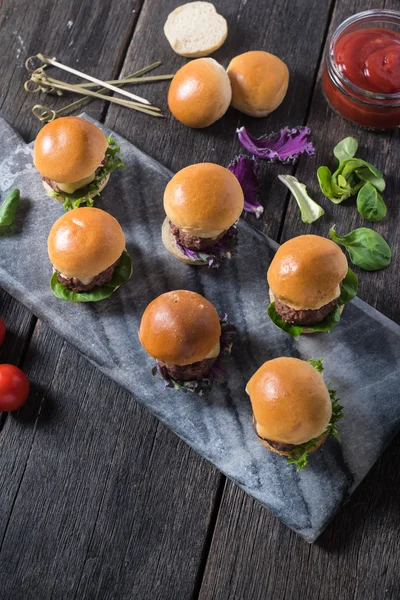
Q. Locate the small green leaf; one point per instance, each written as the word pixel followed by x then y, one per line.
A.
pixel 367 249
pixel 8 209
pixel 295 330
pixel 345 149
pixel 318 364
pixel 121 275
pixel 309 209
pixel 370 203
pixel 349 287
pixel 365 174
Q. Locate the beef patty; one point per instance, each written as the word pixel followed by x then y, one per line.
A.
pixel 54 185
pixel 304 317
pixel 193 372
pixel 76 285
pixel 193 242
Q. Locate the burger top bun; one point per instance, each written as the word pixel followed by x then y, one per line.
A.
pixel 306 272
pixel 290 401
pixel 69 149
pixel 259 82
pixel 84 242
pixel 195 29
pixel 180 328
pixel 200 93
pixel 204 199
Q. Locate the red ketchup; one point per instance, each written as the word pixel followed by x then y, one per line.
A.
pixel 370 60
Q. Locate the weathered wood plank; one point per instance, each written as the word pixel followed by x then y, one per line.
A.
pixel 252 555
pixel 19 324
pixel 272 26
pixel 91 36
pixel 109 503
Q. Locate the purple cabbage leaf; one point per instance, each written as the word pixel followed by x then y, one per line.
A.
pixel 214 256
pixel 285 146
pixel 246 169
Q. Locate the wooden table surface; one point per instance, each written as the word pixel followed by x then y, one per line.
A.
pixel 97 499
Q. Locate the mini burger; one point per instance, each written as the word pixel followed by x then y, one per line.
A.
pixel 75 160
pixel 86 247
pixel 203 203
pixel 309 283
pixel 293 410
pixel 183 332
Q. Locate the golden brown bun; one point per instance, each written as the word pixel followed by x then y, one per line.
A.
pixel 179 328
pixel 306 272
pixel 305 329
pixel 84 242
pixel 259 82
pixel 204 199
pixel 290 401
pixel 69 149
pixel 321 440
pixel 170 244
pixel 200 93
pixel 60 199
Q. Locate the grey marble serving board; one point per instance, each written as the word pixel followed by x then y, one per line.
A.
pixel 361 355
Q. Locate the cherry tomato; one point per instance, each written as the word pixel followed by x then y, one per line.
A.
pixel 14 388
pixel 2 331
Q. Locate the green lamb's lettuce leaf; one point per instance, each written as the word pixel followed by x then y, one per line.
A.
pixel 345 149
pixel 86 194
pixel 349 287
pixel 8 209
pixel 295 330
pixel 310 210
pixel 367 249
pixel 121 275
pixel 370 203
pixel 349 291
pixel 299 455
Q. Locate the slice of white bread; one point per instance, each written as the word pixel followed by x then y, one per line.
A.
pixel 195 29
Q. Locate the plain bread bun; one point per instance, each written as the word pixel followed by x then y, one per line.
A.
pixel 84 242
pixel 290 401
pixel 180 328
pixel 200 93
pixel 259 82
pixel 69 149
pixel 195 29
pixel 306 272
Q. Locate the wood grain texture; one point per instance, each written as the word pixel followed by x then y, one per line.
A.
pixel 19 324
pixel 89 35
pixel 357 557
pixel 255 24
pixel 98 500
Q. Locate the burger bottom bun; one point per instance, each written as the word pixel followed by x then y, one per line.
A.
pixel 321 440
pixel 170 244
pixel 59 198
pixel 305 329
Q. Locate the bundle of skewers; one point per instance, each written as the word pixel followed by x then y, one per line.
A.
pixel 41 81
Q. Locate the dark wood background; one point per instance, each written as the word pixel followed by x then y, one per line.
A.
pixel 98 500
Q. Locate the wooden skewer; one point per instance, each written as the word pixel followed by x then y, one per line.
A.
pixel 50 61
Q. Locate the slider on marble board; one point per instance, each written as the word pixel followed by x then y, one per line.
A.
pixel 75 160
pixel 86 247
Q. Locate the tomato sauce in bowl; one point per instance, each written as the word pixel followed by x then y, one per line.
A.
pixel 361 78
